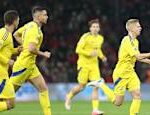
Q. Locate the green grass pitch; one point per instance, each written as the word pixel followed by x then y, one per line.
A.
pixel 78 108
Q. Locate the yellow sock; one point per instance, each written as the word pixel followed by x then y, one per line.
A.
pixel 3 106
pixel 70 95
pixel 135 106
pixel 45 102
pixel 95 104
pixel 108 92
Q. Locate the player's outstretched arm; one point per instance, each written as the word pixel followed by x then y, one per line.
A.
pixel 142 56
pixel 146 60
pixel 33 49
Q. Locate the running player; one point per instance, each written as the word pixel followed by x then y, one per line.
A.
pixel 124 76
pixel 25 69
pixel 88 50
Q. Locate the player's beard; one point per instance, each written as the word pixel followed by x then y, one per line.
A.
pixel 43 22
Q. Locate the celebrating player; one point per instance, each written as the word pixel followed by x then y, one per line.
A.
pixel 88 50
pixel 25 69
pixel 124 76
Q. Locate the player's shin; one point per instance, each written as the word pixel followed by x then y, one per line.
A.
pixel 108 92
pixel 95 100
pixel 75 91
pixel 135 106
pixel 45 102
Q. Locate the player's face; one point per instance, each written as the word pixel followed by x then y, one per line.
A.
pixel 136 28
pixel 95 28
pixel 43 17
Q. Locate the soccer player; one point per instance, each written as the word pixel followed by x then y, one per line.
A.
pixel 124 75
pixel 25 69
pixel 88 50
pixel 7 93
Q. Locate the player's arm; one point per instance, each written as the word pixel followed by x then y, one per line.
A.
pixel 80 47
pixel 100 53
pixel 33 49
pixel 3 59
pixel 134 51
pixel 146 60
pixel 32 35
pixel 141 56
pixel 18 34
pixel 17 50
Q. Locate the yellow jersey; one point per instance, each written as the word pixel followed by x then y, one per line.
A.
pixel 85 46
pixel 30 32
pixel 6 51
pixel 126 62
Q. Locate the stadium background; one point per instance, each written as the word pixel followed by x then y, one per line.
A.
pixel 67 22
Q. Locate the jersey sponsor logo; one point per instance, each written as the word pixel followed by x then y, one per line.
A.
pixel 5 36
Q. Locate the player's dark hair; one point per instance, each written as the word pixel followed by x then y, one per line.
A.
pixel 10 16
pixel 37 9
pixel 93 21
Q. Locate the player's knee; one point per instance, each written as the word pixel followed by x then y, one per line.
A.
pixel 118 102
pixel 43 88
pixel 137 95
pixel 81 86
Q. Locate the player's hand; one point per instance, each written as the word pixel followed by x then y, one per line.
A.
pixel 47 54
pixel 104 60
pixel 20 49
pixel 94 53
pixel 11 62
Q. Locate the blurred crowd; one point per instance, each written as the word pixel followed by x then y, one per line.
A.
pixel 68 20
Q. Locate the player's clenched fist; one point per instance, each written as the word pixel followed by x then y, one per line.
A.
pixel 47 54
pixel 11 62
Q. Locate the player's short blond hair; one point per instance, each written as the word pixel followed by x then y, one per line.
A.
pixel 131 21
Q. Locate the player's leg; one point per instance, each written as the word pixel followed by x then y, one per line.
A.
pixel 95 103
pixel 108 91
pixel 82 80
pixel 40 84
pixel 116 96
pixel 74 91
pixel 94 75
pixel 134 88
pixel 95 100
pixel 120 85
pixel 7 95
pixel 136 102
pixel 38 81
pixel 19 76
